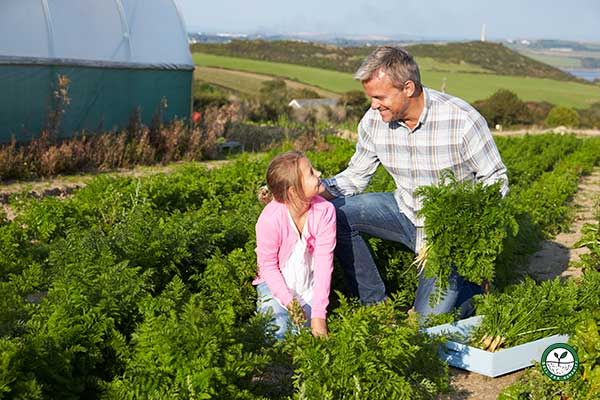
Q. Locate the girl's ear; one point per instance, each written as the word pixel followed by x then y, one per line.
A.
pixel 291 192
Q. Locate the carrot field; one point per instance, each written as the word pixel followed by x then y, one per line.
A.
pixel 140 287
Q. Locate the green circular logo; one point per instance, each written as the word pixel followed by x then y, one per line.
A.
pixel 560 362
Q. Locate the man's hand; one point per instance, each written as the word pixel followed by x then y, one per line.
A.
pixel 318 327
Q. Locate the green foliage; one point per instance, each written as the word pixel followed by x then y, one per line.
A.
pixel 206 95
pixel 492 56
pixel 188 347
pixel 538 110
pixel 465 225
pixel 585 338
pixel 526 312
pixel 292 52
pixel 272 102
pixel 14 383
pixel 304 93
pixel 505 108
pixel 355 103
pixel 562 116
pixel 590 239
pixel 371 353
pixel 590 117
pixel 141 287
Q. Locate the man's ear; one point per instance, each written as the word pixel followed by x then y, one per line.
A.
pixel 410 88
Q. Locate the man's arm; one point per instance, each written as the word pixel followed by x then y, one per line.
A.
pixel 361 168
pixel 480 151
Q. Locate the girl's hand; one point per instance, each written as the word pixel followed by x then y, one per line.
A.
pixel 297 314
pixel 318 326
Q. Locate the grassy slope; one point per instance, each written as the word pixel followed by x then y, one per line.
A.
pixel 469 86
pixel 486 56
pixel 247 82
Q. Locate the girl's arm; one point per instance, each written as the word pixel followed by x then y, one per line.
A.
pixel 323 259
pixel 268 243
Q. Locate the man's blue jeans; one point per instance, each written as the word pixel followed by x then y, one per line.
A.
pixel 377 214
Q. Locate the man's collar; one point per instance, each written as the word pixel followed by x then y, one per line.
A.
pixel 422 117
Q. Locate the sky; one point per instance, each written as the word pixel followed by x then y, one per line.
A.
pixel 410 19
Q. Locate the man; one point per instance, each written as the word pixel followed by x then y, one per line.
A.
pixel 415 133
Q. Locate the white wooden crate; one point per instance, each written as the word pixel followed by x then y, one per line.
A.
pixel 483 362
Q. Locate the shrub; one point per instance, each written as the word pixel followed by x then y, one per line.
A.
pixel 272 102
pixel 355 103
pixel 538 110
pixel 562 116
pixel 590 117
pixel 505 108
pixel 206 95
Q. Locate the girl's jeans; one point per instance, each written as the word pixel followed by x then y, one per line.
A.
pixel 377 214
pixel 266 304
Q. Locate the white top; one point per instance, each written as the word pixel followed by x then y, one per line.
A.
pixel 298 269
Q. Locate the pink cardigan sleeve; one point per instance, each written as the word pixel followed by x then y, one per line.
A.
pixel 268 244
pixel 324 244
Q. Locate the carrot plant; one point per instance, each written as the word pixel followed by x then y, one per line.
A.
pixel 466 224
pixel 371 353
pixel 525 312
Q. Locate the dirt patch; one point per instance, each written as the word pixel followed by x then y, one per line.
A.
pixel 468 385
pixel 558 257
pixel 538 131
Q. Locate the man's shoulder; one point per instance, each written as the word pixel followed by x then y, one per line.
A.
pixel 370 123
pixel 442 102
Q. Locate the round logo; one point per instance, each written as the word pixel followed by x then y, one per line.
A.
pixel 560 362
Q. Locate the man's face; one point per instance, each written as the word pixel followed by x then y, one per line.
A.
pixel 391 102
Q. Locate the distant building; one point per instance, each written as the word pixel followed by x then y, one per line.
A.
pixel 483 33
pixel 312 103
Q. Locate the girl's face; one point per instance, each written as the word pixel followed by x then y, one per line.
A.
pixel 310 178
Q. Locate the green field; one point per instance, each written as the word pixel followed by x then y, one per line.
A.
pixel 469 86
pixel 247 82
pixel 557 61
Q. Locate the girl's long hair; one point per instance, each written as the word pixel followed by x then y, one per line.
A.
pixel 284 173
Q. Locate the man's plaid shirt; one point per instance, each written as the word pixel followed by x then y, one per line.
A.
pixel 450 134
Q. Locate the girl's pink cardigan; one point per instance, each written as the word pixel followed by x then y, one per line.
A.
pixel 275 241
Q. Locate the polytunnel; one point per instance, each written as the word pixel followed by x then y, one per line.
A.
pixel 91 64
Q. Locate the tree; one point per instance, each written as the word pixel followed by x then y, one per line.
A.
pixel 562 116
pixel 505 108
pixel 272 101
pixel 355 103
pixel 206 95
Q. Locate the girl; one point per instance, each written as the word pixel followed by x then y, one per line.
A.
pixel 295 238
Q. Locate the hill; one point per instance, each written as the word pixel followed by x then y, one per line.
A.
pixel 491 58
pixel 470 86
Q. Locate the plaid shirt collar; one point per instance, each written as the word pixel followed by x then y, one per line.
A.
pixel 422 117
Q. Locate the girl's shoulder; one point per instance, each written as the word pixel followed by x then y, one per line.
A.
pixel 322 210
pixel 272 209
pixel 320 204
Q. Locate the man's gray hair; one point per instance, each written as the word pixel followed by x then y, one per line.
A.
pixel 395 62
